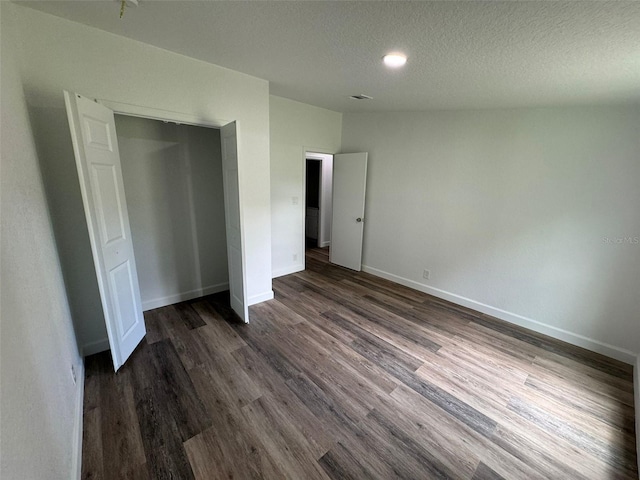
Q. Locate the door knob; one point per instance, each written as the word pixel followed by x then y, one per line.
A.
pixel 358 220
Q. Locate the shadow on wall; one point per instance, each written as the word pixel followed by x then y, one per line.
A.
pixel 209 216
pixel 60 177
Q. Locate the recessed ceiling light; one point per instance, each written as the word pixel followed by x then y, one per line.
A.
pixel 394 60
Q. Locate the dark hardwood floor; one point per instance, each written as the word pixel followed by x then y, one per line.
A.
pixel 348 376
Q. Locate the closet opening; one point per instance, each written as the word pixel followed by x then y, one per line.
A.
pixel 173 181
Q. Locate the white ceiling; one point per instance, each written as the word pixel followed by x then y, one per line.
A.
pixel 473 54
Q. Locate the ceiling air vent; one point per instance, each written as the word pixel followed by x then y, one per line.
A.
pixel 362 96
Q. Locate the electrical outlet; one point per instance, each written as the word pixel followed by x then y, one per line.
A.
pixel 73 373
pixel 295 257
pixel 426 274
pixel 294 200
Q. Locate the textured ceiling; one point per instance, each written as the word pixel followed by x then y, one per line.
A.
pixel 474 54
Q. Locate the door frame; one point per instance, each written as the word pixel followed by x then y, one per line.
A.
pixel 307 152
pixel 180 118
pixel 163 115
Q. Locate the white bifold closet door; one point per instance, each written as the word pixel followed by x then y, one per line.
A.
pixel 95 145
pixel 231 182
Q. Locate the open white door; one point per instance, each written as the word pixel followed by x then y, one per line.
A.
pixel 229 138
pixel 95 145
pixel 349 185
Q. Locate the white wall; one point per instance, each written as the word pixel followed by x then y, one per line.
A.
pixel 295 129
pixel 58 54
pixel 40 403
pixel 510 211
pixel 173 184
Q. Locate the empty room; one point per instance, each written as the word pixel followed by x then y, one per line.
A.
pixel 319 239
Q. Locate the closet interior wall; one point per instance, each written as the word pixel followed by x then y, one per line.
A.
pixel 174 191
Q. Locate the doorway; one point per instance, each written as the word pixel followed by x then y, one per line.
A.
pixel 341 206
pixel 313 182
pixel 318 184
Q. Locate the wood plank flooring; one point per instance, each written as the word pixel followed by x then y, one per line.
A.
pixel 347 376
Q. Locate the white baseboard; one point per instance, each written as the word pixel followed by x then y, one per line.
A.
pixel 575 339
pixel 184 296
pixel 287 271
pixel 325 244
pixel 76 460
pixel 636 398
pixel 262 297
pixel 95 347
